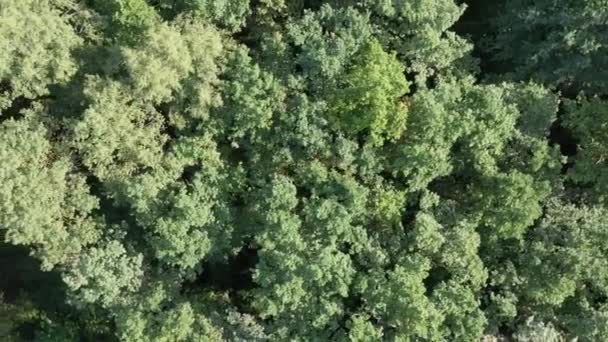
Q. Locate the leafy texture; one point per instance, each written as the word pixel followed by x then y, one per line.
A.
pixel 37 43
pixel 340 170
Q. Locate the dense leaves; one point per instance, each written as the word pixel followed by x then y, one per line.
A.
pixel 199 170
pixel 37 45
pixel 560 43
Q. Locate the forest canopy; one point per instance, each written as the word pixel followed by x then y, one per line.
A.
pixel 303 170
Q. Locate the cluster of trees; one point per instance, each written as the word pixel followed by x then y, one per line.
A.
pixel 306 170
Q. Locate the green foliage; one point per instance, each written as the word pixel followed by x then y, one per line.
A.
pixel 557 43
pixel 572 240
pixel 361 330
pixel 43 203
pixel 419 32
pixel 227 14
pixel 23 315
pixel 341 170
pixel 399 300
pixel 587 118
pixel 198 93
pixel 294 280
pixel 230 14
pixel 103 275
pixel 327 40
pixel 37 43
pixel 534 331
pixel 252 96
pixel 127 20
pixel 369 96
pixel 510 203
pixel 537 105
pixel 113 137
pixel 157 66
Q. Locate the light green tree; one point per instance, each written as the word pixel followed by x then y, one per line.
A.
pixel 368 97
pixel 38 44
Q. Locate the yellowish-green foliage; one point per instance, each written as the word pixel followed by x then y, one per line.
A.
pixel 37 44
pixel 104 274
pixel 115 135
pixel 199 90
pixel 159 64
pixel 43 203
pixel 369 96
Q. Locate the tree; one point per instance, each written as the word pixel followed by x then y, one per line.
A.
pixel 562 271
pixel 44 203
pixel 38 43
pixel 308 170
pixel 228 14
pixel 326 40
pixel 126 20
pixel 369 98
pixel 587 120
pixel 419 32
pixel 559 44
